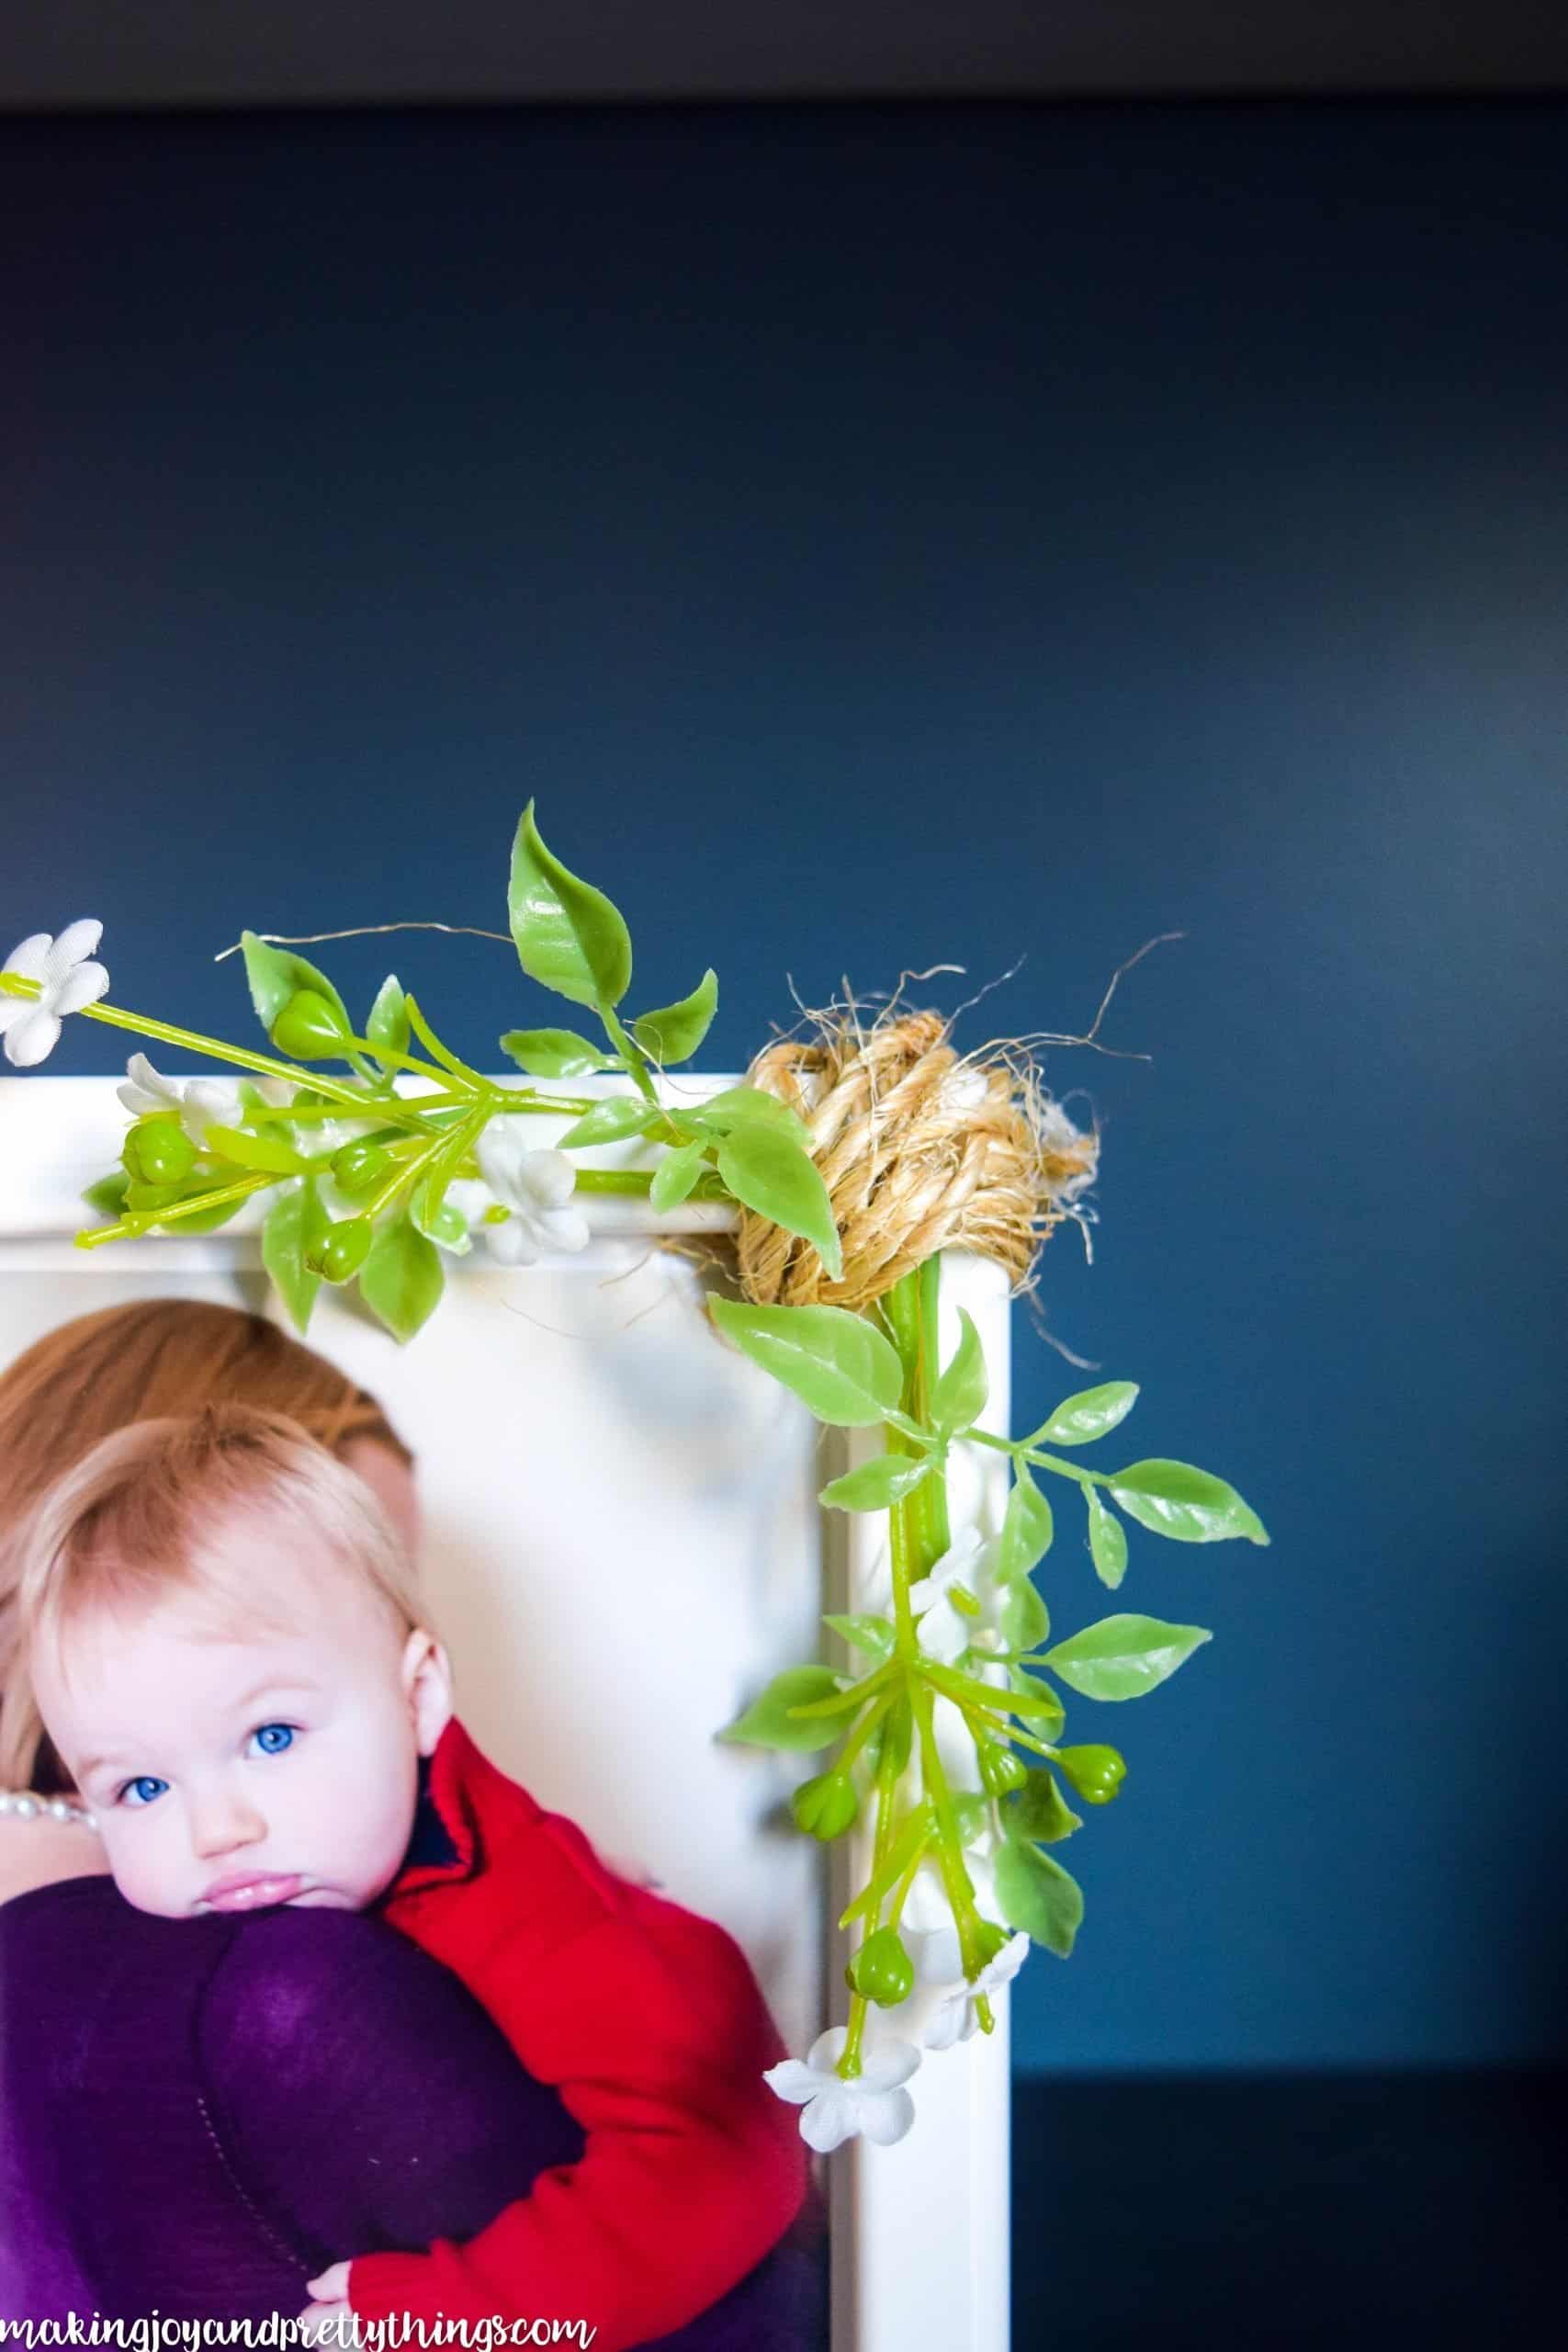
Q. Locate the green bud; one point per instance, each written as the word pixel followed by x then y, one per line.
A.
pixel 1000 1769
pixel 360 1165
pixel 826 1806
pixel 882 1970
pixel 307 1029
pixel 1095 1772
pixel 157 1150
pixel 342 1250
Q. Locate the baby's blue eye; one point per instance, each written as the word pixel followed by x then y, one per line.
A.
pixel 271 1745
pixel 143 1782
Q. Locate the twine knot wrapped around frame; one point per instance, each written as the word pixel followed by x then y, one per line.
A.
pixel 922 1149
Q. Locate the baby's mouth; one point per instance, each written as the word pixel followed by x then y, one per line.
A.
pixel 253 1893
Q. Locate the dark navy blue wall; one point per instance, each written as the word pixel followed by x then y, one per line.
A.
pixel 884 537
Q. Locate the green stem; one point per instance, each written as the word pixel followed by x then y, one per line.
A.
pixel 634 1059
pixel 1042 1461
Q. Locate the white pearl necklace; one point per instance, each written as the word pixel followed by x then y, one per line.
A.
pixel 31 1803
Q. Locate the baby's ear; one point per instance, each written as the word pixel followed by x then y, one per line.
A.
pixel 426 1674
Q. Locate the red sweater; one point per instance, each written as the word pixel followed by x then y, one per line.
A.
pixel 648 2021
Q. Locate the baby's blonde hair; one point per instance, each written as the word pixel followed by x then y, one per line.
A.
pixel 148 1512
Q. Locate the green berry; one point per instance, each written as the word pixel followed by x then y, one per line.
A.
pixel 360 1165
pixel 1095 1772
pixel 307 1029
pixel 825 1807
pixel 342 1250
pixel 882 1970
pixel 158 1151
pixel 1001 1768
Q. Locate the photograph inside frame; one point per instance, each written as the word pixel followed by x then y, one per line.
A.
pixel 612 1523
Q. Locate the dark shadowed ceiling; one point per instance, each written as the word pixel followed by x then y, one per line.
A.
pixel 237 53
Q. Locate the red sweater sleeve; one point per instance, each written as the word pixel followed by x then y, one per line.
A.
pixel 650 2022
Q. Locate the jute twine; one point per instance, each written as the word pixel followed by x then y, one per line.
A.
pixel 920 1150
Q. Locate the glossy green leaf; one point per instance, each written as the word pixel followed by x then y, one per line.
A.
pixel 1027 1527
pixel 767 1723
pixel 1046 1713
pixel 108 1195
pixel 296 1221
pixel 554 1052
pixel 675 1175
pixel 878 1484
pixel 388 1026
pixel 959 1397
pixel 1079 1419
pixel 1123 1656
pixel 205 1220
pixel 443 1224
pixel 1107 1541
pixel 1038 1895
pixel 1023 1618
pixel 271 1153
pixel 836 1361
pixel 675 1031
pixel 1175 1500
pixel 609 1122
pixel 741 1105
pixel 768 1172
pixel 569 936
pixel 872 1635
pixel 402 1279
pixel 1040 1812
pixel 972 1811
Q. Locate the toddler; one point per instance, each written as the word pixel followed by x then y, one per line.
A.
pixel 228 1650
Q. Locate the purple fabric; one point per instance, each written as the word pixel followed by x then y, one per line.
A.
pixel 201 2114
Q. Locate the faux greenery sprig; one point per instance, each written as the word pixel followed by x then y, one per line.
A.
pixel 362 1174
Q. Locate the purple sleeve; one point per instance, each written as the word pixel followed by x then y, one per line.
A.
pixel 362 2099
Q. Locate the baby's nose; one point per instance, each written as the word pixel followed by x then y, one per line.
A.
pixel 222 1820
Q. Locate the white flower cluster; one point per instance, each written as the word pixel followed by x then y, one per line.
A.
pixel 875 2102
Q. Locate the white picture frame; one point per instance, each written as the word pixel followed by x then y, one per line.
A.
pixel 591 1453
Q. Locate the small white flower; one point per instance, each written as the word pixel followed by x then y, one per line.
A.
pixel 944 1631
pixel 30 1026
pixel 535 1186
pixel 942 1963
pixel 202 1102
pixel 834 2110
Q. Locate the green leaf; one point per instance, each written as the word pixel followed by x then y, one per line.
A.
pixel 108 1194
pixel 738 1105
pixel 554 1052
pixel 1077 1421
pixel 1023 1618
pixel 278 973
pixel 402 1278
pixel 241 1149
pixel 1038 1895
pixel 972 1811
pixel 1107 1541
pixel 768 1172
pixel 1046 1712
pixel 618 1116
pixel 873 1635
pixel 1027 1527
pixel 1173 1499
pixel 843 1369
pixel 878 1484
pixel 675 1031
pixel 766 1723
pixel 443 1224
pixel 1040 1811
pixel 388 1026
pixel 959 1397
pixel 204 1220
pixel 675 1175
pixel 295 1222
pixel 569 935
pixel 1121 1657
